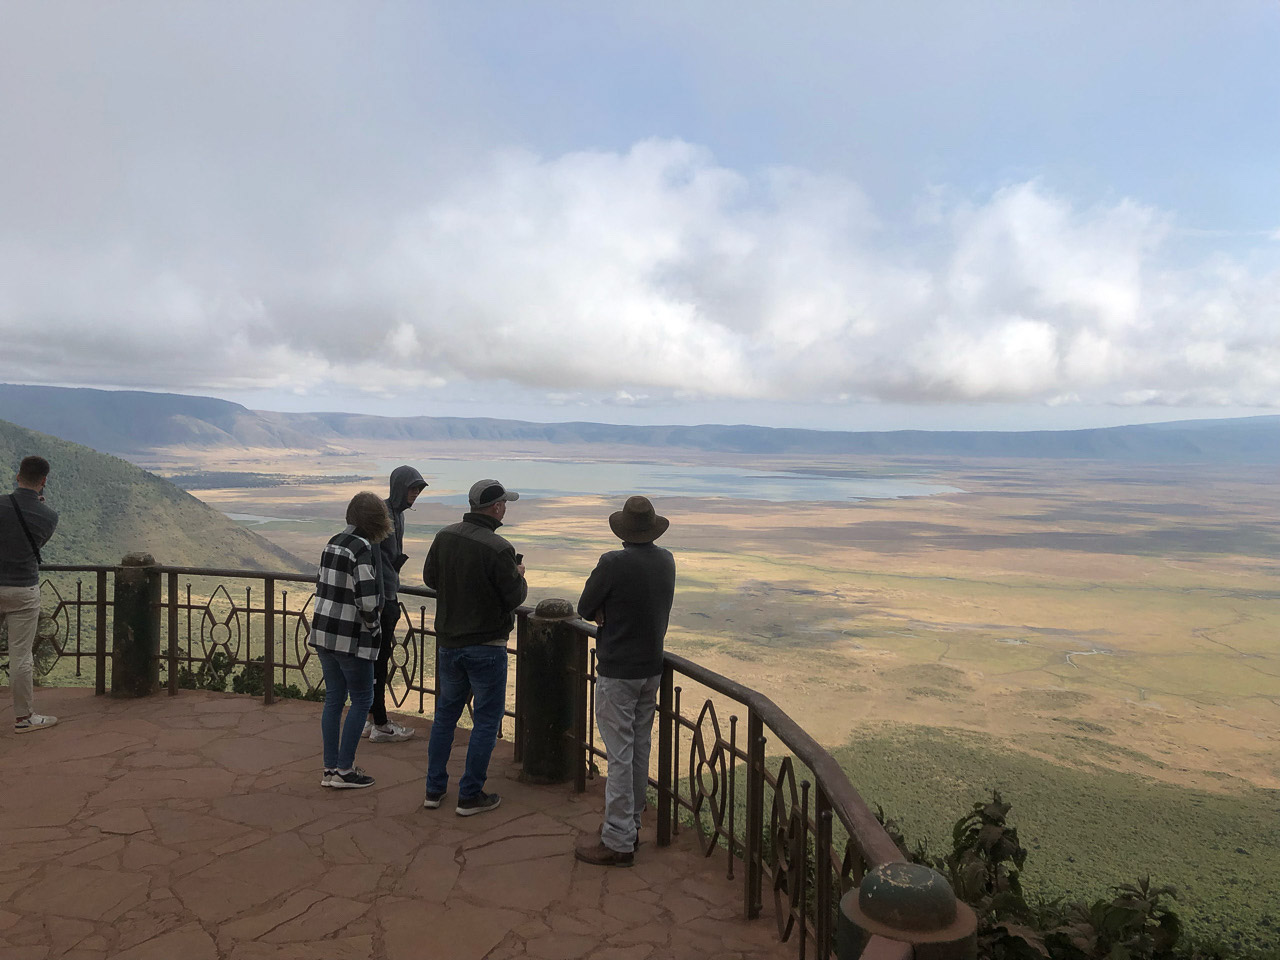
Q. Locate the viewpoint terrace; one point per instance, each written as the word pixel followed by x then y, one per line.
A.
pixel 195 827
pixel 164 821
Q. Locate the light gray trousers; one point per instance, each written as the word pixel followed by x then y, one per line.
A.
pixel 20 608
pixel 624 715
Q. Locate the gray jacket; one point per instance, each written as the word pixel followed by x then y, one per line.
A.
pixel 18 566
pixel 403 479
pixel 632 590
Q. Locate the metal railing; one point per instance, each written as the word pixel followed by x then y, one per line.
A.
pixel 233 623
pixel 789 820
pixel 763 793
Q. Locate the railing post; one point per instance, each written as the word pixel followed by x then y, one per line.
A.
pixel 173 634
pixel 666 757
pixel 802 842
pixel 581 738
pixel 522 644
pixel 422 662
pixel 910 904
pixel 753 841
pixel 675 761
pixel 135 647
pixel 435 677
pixel 824 907
pixel 100 651
pixel 551 722
pixel 269 638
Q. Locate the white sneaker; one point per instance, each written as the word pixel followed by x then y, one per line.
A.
pixel 368 728
pixel 34 722
pixel 393 733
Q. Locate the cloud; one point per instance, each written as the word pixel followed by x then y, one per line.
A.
pixel 656 272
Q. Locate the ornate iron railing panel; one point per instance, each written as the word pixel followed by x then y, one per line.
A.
pixel 235 629
pixel 775 804
pixel 75 603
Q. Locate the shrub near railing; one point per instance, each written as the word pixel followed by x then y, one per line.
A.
pixel 1138 921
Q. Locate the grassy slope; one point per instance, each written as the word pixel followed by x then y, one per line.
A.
pixel 1087 826
pixel 108 508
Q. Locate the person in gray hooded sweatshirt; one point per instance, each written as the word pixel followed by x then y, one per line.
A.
pixel 406 484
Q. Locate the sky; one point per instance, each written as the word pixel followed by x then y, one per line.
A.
pixel 862 215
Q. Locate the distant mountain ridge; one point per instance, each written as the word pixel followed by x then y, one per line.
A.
pixel 133 422
pixel 108 507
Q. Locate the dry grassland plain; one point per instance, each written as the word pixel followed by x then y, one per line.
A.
pixel 1134 610
pixel 1099 641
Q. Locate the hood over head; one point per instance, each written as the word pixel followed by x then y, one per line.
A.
pixel 403 479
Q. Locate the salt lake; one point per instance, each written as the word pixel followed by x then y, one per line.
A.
pixel 450 479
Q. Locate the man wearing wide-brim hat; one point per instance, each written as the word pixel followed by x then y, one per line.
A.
pixel 629 595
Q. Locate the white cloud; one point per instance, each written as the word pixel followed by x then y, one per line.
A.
pixel 657 273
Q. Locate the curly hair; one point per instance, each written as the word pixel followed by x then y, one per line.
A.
pixel 368 514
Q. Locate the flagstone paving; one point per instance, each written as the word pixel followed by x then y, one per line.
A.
pixel 195 828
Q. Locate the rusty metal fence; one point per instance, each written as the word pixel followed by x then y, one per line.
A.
pixel 755 787
pixel 232 623
pixel 759 791
pixel 76 605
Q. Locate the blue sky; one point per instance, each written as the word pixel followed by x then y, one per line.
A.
pixel 859 216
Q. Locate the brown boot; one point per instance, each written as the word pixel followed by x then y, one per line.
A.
pixel 589 851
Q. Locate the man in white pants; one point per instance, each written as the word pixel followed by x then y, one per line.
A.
pixel 26 524
pixel 629 595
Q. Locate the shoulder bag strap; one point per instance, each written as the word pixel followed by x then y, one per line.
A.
pixel 25 529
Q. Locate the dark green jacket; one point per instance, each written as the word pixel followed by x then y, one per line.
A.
pixel 473 571
pixel 631 590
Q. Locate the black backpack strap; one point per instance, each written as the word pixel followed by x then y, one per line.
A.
pixel 25 529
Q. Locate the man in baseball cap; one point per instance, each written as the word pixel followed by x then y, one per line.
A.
pixel 485 493
pixel 479 582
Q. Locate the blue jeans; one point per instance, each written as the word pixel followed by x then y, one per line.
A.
pixel 480 670
pixel 344 675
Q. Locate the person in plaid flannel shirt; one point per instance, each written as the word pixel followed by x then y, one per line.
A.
pixel 346 635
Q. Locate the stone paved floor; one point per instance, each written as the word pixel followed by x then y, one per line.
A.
pixel 195 828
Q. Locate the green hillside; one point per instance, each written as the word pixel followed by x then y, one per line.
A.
pixel 108 507
pixel 1088 826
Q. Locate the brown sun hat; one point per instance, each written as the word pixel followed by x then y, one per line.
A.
pixel 637 522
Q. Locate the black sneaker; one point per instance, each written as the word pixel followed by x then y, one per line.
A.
pixel 329 774
pixel 470 806
pixel 350 781
pixel 433 800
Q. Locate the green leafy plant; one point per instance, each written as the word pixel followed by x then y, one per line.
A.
pixel 211 675
pixel 294 692
pixel 984 867
pixel 1135 924
pixel 251 680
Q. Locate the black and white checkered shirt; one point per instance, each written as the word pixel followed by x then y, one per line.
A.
pixel 348 598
